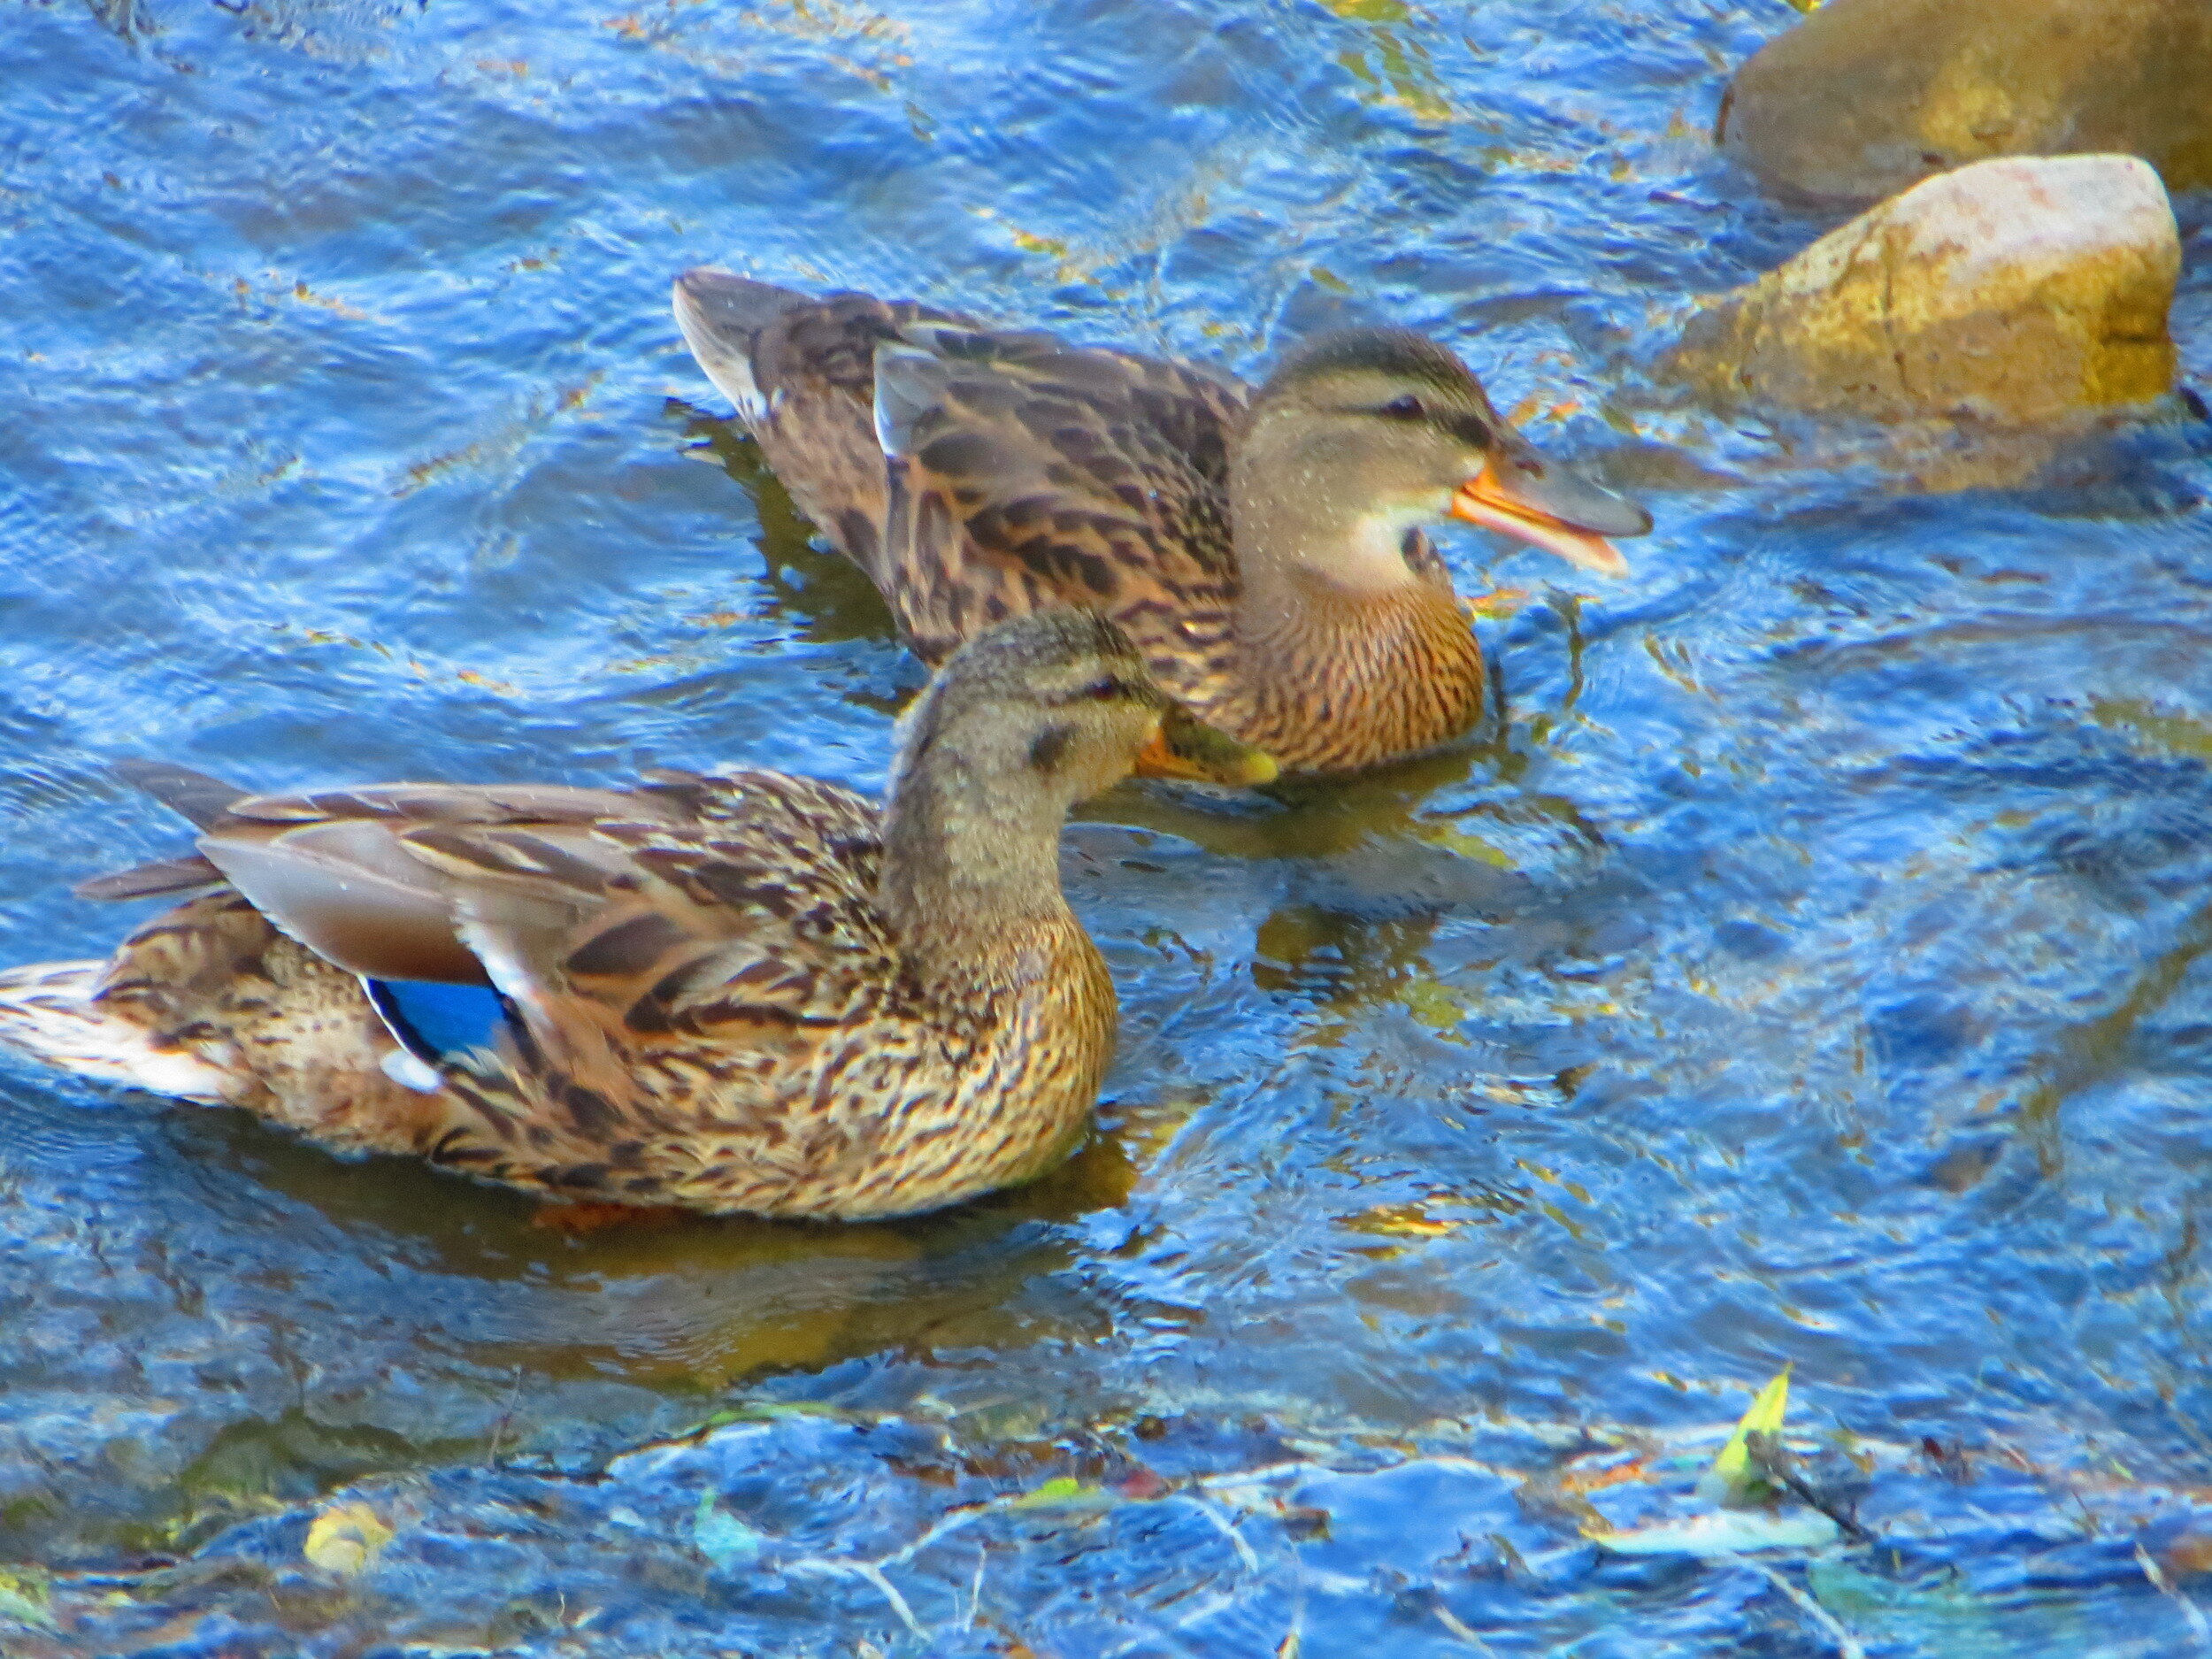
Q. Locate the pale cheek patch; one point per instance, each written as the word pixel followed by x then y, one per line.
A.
pixel 1375 553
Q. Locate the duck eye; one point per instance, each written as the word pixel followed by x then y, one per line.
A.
pixel 1102 690
pixel 1405 406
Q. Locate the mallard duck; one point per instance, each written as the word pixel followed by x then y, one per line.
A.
pixel 1263 549
pixel 741 991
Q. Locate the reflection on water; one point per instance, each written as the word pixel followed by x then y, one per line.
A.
pixel 1809 967
pixel 797 578
pixel 687 1301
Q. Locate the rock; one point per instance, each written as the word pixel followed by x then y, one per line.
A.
pixel 1866 96
pixel 2009 292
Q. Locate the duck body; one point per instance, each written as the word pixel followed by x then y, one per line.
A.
pixel 1262 550
pixel 743 991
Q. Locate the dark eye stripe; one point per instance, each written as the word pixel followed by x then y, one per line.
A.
pixel 1100 690
pixel 1470 429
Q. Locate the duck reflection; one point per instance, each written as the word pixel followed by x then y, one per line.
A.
pixel 670 1300
pixel 823 592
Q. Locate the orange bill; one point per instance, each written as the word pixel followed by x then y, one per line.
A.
pixel 1184 746
pixel 1526 498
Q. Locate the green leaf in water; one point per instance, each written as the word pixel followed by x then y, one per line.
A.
pixel 1433 1005
pixel 1061 1491
pixel 722 1538
pixel 1466 845
pixel 1731 1479
pixel 345 1539
pixel 769 1411
pixel 1726 1532
pixel 23 1597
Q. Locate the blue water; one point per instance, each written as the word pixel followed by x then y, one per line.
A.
pixel 1813 973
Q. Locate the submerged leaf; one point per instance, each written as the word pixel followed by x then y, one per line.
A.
pixel 1061 1491
pixel 722 1538
pixel 23 1600
pixel 345 1539
pixel 1728 1533
pixel 1731 1478
pixel 1403 1221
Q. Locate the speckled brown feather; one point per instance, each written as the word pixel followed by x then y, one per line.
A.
pixel 712 1010
pixel 271 1028
pixel 1048 475
pixel 816 425
pixel 1044 476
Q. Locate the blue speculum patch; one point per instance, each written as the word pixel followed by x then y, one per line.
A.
pixel 436 1022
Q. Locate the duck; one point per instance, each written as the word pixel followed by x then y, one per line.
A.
pixel 1265 549
pixel 732 991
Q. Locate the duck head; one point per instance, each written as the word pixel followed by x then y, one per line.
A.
pixel 1363 435
pixel 1020 724
pixel 1061 703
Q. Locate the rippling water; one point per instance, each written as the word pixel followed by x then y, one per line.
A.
pixel 1812 973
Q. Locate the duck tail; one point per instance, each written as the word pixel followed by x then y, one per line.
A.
pixel 721 314
pixel 49 1012
pixel 194 795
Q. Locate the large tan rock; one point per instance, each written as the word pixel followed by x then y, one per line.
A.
pixel 2008 293
pixel 1865 96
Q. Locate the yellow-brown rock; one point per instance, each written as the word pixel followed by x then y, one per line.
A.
pixel 2007 293
pixel 1865 96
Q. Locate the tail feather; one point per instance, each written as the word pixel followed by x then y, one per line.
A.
pixel 191 795
pixel 194 795
pixel 735 304
pixel 48 1011
pixel 146 881
pixel 721 314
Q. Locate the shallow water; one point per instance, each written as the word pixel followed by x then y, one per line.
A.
pixel 1811 972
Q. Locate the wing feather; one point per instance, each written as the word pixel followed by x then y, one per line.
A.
pixel 1042 474
pixel 815 369
pixel 976 474
pixel 703 913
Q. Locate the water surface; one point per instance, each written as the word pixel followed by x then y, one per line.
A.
pixel 1810 972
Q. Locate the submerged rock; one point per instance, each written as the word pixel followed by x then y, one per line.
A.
pixel 2009 292
pixel 1866 96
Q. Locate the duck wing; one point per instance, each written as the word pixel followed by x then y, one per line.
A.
pixel 1026 474
pixel 801 373
pixel 731 913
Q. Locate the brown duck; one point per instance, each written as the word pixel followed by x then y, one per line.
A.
pixel 736 992
pixel 1262 550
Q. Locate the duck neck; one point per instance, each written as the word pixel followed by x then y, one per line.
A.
pixel 971 866
pixel 1324 581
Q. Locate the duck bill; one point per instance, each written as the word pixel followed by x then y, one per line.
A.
pixel 1184 746
pixel 1521 496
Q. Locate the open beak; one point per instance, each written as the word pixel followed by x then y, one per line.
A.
pixel 1525 496
pixel 1184 746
